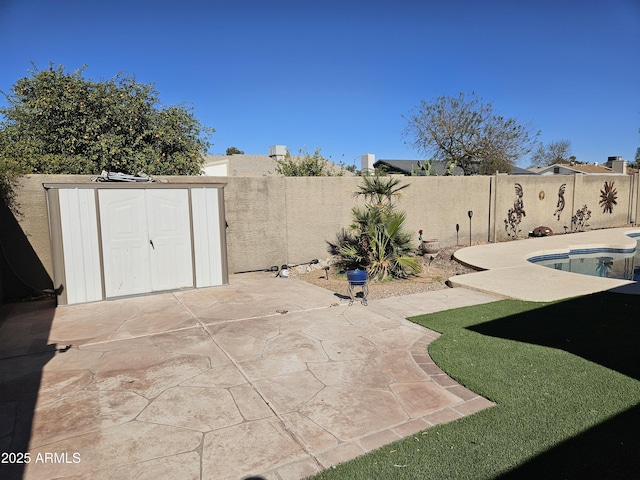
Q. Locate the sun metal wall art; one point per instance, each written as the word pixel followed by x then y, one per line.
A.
pixel 608 197
pixel 560 204
pixel 515 214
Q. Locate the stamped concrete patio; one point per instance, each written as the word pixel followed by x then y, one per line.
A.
pixel 266 376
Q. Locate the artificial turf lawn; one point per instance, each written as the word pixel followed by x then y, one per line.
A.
pixel 566 380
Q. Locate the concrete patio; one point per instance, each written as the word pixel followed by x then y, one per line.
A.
pixel 506 271
pixel 264 377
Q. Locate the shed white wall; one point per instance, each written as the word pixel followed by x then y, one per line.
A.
pixel 206 236
pixel 80 247
pixel 110 241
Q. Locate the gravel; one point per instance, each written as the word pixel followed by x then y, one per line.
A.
pixel 435 272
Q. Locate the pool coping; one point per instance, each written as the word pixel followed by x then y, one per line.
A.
pixel 505 268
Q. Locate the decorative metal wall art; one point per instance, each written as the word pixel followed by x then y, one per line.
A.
pixel 560 204
pixel 608 197
pixel 515 214
pixel 580 219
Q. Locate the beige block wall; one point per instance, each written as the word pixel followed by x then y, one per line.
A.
pixel 436 204
pixel 541 195
pixel 256 219
pixel 316 209
pixel 588 192
pixel 274 220
pixel 540 201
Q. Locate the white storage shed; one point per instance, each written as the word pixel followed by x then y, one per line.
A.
pixel 117 239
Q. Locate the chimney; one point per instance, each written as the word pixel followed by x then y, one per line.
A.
pixel 277 152
pixel 619 166
pixel 366 162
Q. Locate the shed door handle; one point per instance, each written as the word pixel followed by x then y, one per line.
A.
pixel 152 246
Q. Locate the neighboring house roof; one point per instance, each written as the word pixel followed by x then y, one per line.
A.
pixel 522 171
pixel 406 167
pixel 582 168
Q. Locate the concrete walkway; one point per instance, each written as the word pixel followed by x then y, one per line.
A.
pixel 266 376
pixel 508 273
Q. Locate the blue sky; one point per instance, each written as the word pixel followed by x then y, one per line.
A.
pixel 339 75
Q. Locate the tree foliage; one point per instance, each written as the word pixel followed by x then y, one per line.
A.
pixel 469 133
pixel 306 164
pixel 59 122
pixel 558 151
pixel 234 151
pixel 10 170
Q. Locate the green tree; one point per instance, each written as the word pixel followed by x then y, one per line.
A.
pixel 377 241
pixel 10 170
pixel 234 151
pixel 469 133
pixel 59 122
pixel 306 164
pixel 558 151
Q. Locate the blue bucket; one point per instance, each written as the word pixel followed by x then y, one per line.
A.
pixel 357 277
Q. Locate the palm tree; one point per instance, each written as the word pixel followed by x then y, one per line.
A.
pixel 377 241
pixel 390 252
pixel 380 190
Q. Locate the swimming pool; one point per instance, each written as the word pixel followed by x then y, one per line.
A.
pixel 623 264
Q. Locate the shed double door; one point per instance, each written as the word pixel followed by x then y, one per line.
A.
pixel 146 240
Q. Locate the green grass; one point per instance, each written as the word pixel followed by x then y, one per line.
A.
pixel 566 380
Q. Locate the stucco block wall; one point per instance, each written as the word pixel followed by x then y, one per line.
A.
pixel 539 202
pixel 256 222
pixel 541 197
pixel 274 220
pixel 316 209
pixel 436 204
pixel 587 192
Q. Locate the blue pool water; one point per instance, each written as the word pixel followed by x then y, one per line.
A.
pixel 601 262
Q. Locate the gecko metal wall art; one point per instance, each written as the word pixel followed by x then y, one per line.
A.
pixel 560 205
pixel 515 214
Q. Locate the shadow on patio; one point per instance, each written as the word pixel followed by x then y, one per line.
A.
pixel 24 331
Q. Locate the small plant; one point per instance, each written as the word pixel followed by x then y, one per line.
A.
pixel 424 168
pixel 451 167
